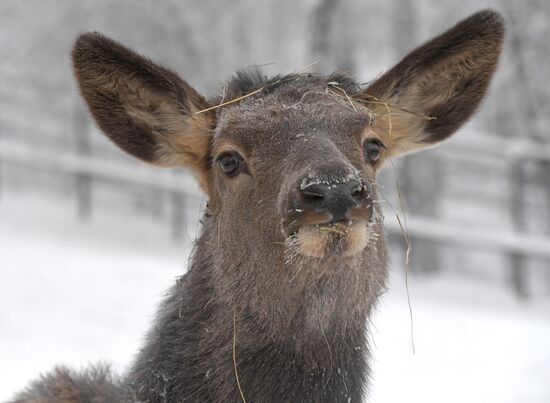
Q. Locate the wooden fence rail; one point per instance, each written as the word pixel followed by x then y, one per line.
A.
pixel 474 146
pixel 474 237
pixel 88 168
pixel 96 168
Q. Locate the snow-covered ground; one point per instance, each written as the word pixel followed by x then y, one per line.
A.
pixel 74 294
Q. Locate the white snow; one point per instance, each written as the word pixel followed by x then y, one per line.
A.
pixel 474 343
pixel 79 293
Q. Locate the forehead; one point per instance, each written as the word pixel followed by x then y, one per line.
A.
pixel 282 108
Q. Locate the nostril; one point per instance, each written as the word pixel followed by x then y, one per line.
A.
pixel 308 196
pixel 313 193
pixel 358 192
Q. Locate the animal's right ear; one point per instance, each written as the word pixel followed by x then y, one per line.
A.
pixel 147 110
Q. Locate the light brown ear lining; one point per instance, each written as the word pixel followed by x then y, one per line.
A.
pixel 442 82
pixel 182 137
pixel 188 145
pixel 184 141
pixel 400 130
pixel 147 110
pixel 181 140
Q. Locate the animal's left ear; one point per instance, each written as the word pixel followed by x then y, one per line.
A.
pixel 429 94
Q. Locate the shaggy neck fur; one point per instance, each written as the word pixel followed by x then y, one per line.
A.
pixel 301 336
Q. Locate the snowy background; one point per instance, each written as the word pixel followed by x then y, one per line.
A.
pixel 90 239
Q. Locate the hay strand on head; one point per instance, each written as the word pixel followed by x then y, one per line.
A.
pixel 256 91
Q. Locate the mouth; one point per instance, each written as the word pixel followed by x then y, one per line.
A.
pixel 342 238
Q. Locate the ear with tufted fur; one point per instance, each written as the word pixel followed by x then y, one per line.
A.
pixel 147 110
pixel 435 89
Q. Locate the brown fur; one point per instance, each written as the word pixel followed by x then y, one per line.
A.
pixel 145 109
pixel 62 385
pixel 291 259
pixel 445 79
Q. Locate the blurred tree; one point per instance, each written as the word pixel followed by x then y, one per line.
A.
pixel 528 33
pixel 331 45
pixel 419 176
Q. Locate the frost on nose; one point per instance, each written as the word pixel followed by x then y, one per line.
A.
pixel 334 195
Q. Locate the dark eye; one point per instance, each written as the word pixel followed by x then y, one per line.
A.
pixel 373 149
pixel 231 163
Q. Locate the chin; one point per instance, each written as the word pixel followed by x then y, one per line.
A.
pixel 344 239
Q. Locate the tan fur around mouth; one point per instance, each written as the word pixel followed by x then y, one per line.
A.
pixel 340 239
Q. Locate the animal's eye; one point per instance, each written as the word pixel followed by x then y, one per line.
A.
pixel 231 163
pixel 373 149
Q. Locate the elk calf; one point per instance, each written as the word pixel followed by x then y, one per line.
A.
pixel 291 258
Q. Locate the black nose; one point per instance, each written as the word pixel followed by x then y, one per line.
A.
pixel 336 197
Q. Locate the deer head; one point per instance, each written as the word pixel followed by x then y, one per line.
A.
pixel 289 163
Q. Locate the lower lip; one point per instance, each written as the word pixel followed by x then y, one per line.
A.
pixel 339 239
